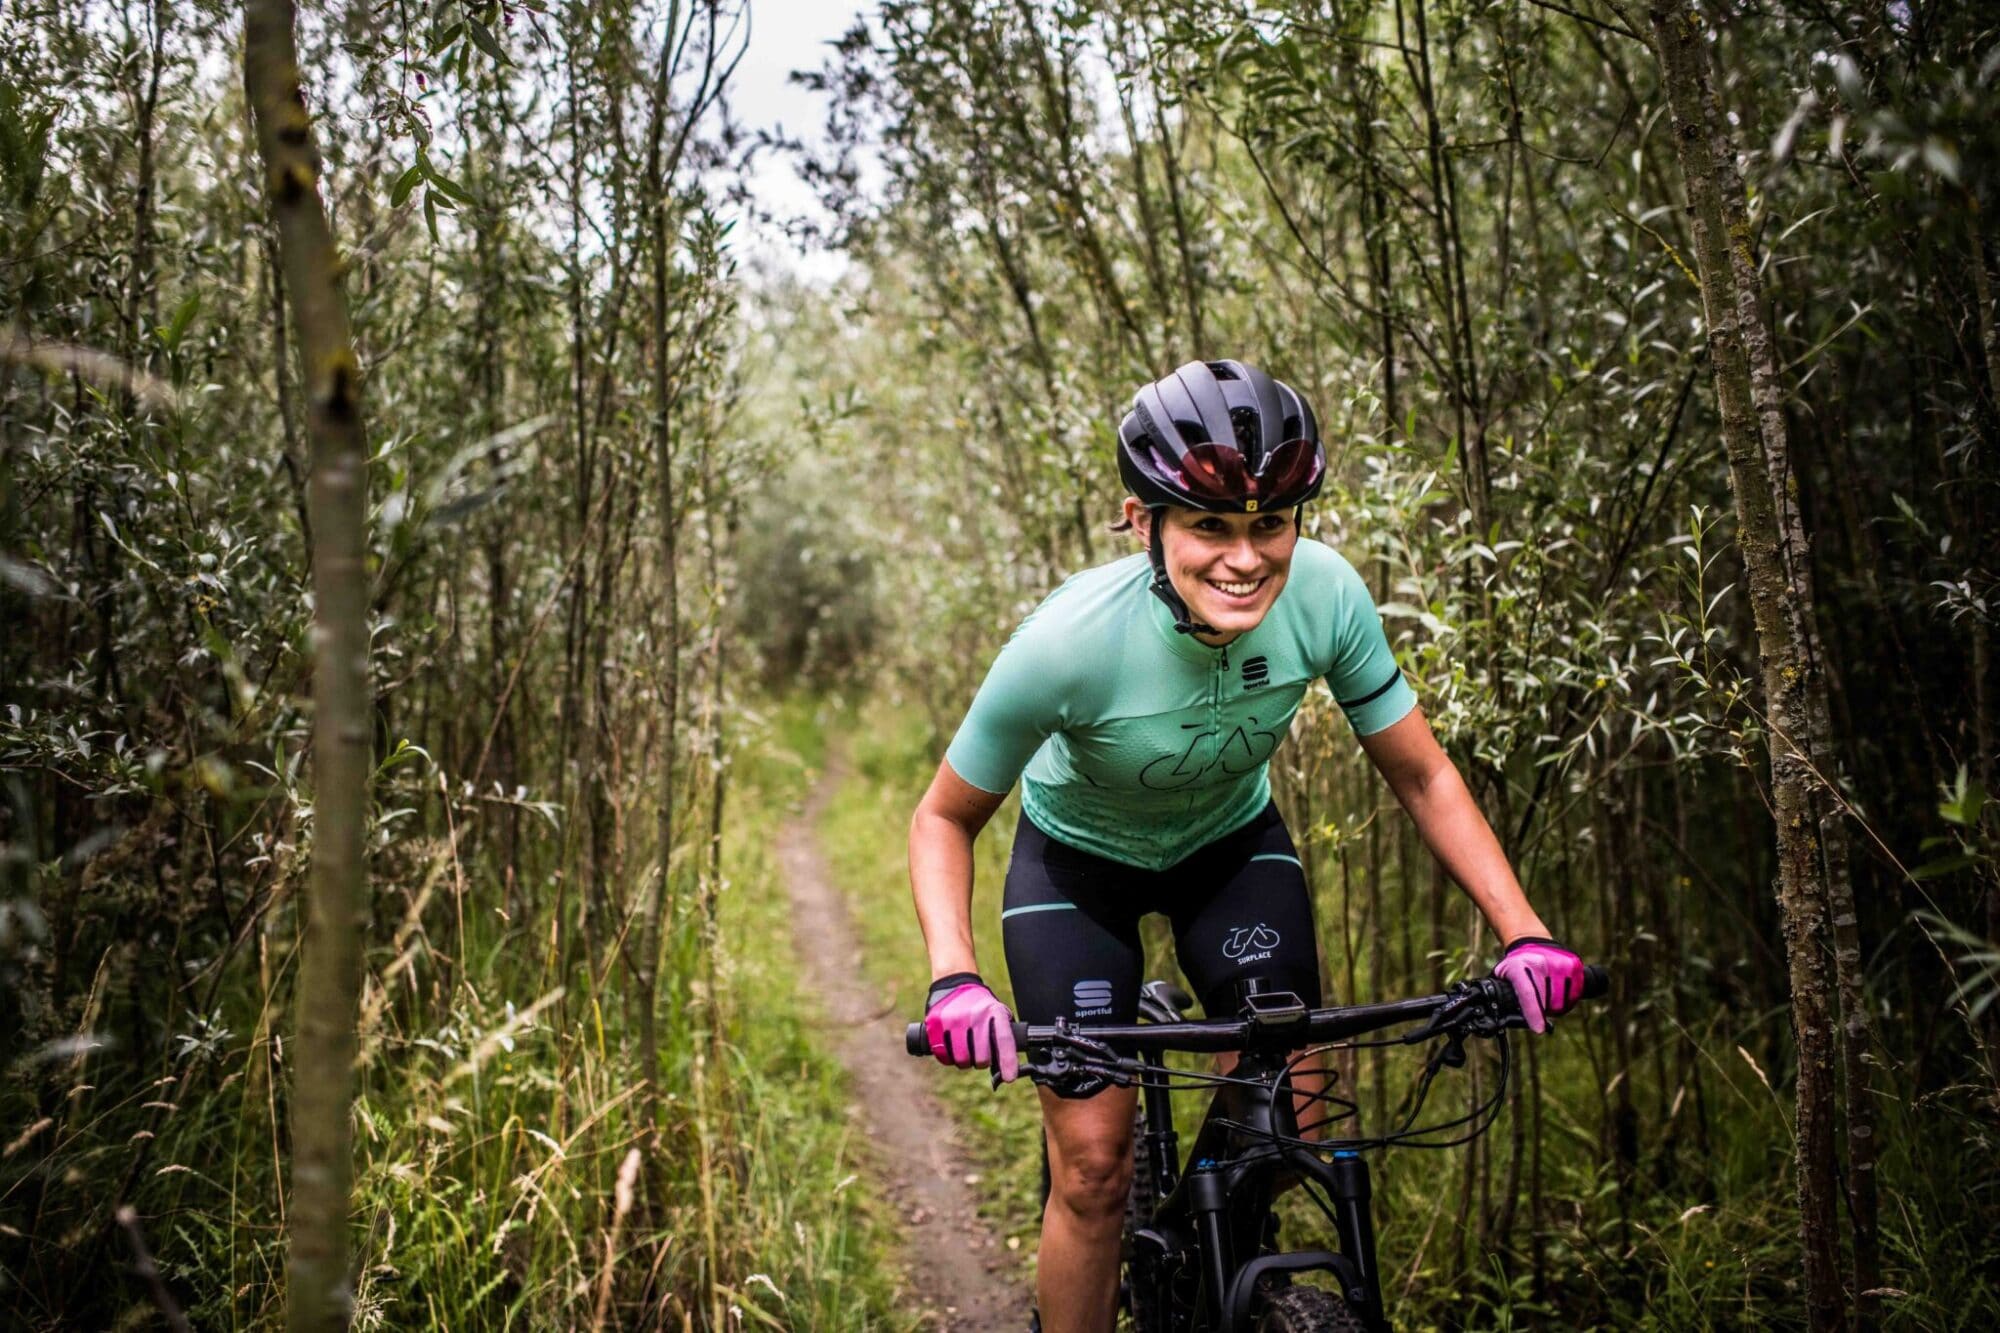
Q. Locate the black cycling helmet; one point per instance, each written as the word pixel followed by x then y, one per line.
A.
pixel 1222 437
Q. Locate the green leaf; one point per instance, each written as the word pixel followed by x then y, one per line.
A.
pixel 1949 865
pixel 431 214
pixel 404 184
pixel 1964 802
pixel 482 37
pixel 445 37
pixel 177 327
pixel 445 184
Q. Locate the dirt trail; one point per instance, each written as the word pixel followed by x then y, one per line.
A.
pixel 976 1288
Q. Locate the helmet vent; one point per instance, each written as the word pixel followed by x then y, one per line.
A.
pixel 1294 428
pixel 1191 432
pixel 1248 435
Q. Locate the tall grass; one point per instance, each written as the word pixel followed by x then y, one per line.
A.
pixel 504 1177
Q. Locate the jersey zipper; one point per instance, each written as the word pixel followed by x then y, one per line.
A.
pixel 1215 692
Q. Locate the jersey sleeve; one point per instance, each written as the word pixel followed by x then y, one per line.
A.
pixel 1017 708
pixel 1364 677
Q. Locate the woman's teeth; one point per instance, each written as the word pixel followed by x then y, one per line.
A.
pixel 1237 589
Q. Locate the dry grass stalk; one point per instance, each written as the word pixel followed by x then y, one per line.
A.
pixel 628 1173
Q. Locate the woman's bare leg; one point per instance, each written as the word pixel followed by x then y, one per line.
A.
pixel 1090 1176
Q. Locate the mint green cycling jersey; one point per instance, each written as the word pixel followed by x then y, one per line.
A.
pixel 1139 744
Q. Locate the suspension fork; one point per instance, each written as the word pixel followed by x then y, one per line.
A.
pixel 1349 1191
pixel 1208 1201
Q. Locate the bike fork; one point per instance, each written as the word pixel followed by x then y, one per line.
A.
pixel 1347 1184
pixel 1208 1199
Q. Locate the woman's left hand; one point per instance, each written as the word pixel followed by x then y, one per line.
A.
pixel 1546 977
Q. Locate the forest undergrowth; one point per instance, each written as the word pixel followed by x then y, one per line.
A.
pixel 499 1166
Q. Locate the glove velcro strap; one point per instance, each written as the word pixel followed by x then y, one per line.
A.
pixel 1525 940
pixel 944 986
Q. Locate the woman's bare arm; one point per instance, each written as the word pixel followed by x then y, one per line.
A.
pixel 941 832
pixel 1430 788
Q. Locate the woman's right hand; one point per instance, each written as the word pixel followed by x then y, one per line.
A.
pixel 968 1026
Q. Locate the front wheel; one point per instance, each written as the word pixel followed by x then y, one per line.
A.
pixel 1142 1281
pixel 1306 1310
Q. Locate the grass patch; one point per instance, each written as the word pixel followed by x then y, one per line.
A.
pixel 499 1182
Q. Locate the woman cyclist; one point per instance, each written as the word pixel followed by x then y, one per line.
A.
pixel 1139 705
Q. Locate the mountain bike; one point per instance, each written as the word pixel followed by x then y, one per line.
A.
pixel 1200 1251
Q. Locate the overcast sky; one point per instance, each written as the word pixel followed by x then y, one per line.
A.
pixel 786 35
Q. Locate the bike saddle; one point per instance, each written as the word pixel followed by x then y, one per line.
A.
pixel 1164 1002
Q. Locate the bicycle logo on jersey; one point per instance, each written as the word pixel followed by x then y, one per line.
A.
pixel 1240 753
pixel 1245 938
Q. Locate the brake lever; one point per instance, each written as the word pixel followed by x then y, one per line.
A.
pixel 1461 996
pixel 1063 1064
pixel 1470 1010
pixel 1452 1053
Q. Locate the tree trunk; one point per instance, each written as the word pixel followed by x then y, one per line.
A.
pixel 1829 809
pixel 320 1295
pixel 657 906
pixel 1680 41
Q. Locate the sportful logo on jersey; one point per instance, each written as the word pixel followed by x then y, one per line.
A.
pixel 1092 998
pixel 1250 944
pixel 1256 670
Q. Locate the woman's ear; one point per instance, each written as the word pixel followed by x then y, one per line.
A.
pixel 1139 519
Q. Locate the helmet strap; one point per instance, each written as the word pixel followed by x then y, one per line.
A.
pixel 1162 586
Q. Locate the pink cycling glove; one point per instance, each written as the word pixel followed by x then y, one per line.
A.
pixel 967 1025
pixel 1546 977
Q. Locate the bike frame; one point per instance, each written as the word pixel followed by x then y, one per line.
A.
pixel 1216 1210
pixel 1209 1224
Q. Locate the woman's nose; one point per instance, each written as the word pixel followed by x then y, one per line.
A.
pixel 1242 555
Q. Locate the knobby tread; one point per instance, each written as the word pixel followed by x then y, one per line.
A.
pixel 1142 1294
pixel 1306 1310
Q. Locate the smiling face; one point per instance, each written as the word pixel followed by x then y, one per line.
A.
pixel 1228 568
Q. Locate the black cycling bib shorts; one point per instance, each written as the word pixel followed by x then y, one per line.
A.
pixel 1239 907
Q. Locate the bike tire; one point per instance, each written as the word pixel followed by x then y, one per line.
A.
pixel 1142 1291
pixel 1306 1310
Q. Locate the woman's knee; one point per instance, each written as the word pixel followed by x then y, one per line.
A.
pixel 1092 1176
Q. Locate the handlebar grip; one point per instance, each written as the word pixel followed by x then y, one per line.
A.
pixel 1596 982
pixel 918 1042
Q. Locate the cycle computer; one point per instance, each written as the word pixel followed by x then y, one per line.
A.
pixel 1276 1008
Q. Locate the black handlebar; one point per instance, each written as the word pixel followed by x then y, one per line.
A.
pixel 1231 1034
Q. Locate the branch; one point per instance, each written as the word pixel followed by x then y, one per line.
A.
pixel 1618 28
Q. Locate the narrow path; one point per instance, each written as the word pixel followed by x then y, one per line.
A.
pixel 962 1274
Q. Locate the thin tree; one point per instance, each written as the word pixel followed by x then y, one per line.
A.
pixel 1680 41
pixel 718 34
pixel 320 1294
